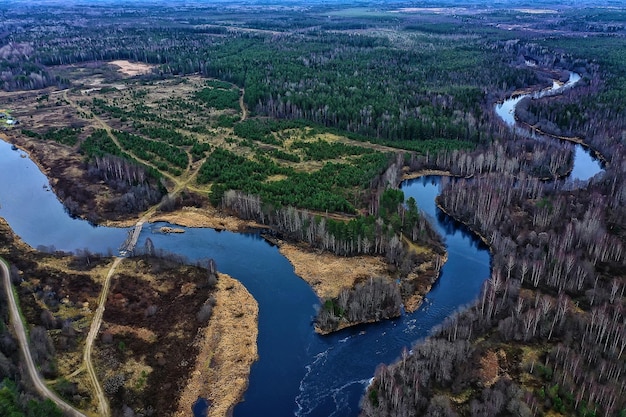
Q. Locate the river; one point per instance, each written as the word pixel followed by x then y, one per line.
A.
pixel 299 372
pixel 585 165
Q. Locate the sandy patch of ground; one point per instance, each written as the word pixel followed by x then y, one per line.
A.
pixel 328 274
pixel 423 173
pixel 132 68
pixel 142 333
pixel 536 11
pixel 228 349
pixel 203 217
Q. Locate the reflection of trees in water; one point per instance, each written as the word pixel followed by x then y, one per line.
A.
pixel 452 226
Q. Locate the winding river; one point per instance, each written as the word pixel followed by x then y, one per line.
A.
pixel 585 165
pixel 299 372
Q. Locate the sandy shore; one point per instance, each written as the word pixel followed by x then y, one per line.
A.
pixel 204 217
pixel 410 175
pixel 228 348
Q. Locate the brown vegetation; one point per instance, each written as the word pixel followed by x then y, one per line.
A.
pixel 57 294
pixel 203 217
pixel 132 68
pixel 155 336
pixel 328 274
pixel 154 316
pixel 227 349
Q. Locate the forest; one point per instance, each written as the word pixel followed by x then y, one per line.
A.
pixel 305 119
pixel 547 334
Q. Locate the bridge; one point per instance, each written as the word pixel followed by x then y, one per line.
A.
pixel 133 236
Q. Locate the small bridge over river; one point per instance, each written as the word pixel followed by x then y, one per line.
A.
pixel 129 244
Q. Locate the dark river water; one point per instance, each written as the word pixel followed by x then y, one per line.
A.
pixel 298 372
pixel 585 165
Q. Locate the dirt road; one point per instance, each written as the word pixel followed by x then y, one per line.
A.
pixel 103 403
pixel 20 333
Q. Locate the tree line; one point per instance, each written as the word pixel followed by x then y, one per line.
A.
pixel 551 316
pixel 554 288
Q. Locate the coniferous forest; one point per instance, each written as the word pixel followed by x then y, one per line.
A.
pixel 305 118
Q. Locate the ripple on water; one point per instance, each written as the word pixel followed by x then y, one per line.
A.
pixel 298 371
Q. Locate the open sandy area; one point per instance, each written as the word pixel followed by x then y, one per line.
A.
pixel 132 68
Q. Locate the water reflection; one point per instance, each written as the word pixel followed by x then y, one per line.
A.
pixel 37 216
pixel 298 372
pixel 585 165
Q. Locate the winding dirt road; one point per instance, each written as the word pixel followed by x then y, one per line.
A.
pixel 20 333
pixel 179 184
pixel 103 404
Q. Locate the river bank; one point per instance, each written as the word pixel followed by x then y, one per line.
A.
pixel 227 345
pixel 70 178
pixel 308 364
pixel 411 175
pixel 227 350
pixel 326 273
pixel 573 139
pixel 206 216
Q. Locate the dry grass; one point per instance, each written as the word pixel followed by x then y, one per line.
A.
pixel 462 397
pixel 227 350
pixel 530 359
pixel 132 68
pixel 155 355
pixel 414 247
pixel 204 217
pixel 330 137
pixel 141 333
pixel 274 178
pixel 328 274
pixel 418 174
pixel 489 368
pixel 34 112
